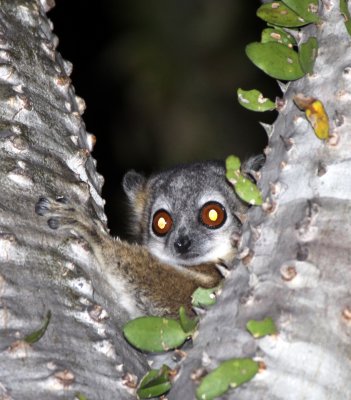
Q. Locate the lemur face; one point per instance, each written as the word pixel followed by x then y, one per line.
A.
pixel 186 215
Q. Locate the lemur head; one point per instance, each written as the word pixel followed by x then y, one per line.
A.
pixel 185 215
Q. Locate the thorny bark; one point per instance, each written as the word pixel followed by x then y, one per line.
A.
pixel 296 271
pixel 298 266
pixel 44 150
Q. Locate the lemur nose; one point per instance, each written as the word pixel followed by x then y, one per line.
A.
pixel 182 244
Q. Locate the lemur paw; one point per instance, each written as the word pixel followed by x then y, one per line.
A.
pixel 58 211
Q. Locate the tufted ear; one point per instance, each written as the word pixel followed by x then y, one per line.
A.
pixel 133 185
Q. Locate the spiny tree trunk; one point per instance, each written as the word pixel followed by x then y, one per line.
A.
pixel 44 151
pixel 297 270
pixel 298 267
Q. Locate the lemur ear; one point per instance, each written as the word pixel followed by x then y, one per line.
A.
pixel 133 184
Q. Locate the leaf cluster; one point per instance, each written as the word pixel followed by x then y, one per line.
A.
pixel 278 53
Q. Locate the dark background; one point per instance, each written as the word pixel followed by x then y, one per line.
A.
pixel 159 79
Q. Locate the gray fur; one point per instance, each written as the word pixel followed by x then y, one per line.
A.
pixel 182 191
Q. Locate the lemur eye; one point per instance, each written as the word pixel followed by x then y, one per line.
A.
pixel 161 222
pixel 213 215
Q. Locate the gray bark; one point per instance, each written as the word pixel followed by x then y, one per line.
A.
pixel 296 270
pixel 44 150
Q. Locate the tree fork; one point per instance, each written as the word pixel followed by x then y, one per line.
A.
pixel 296 248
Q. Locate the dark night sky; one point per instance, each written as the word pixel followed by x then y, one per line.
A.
pixel 159 80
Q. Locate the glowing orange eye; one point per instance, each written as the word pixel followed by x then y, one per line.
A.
pixel 213 215
pixel 161 222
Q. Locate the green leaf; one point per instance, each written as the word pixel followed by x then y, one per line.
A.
pixel 80 396
pixel 232 165
pixel 308 54
pixel 231 373
pixel 204 297
pixel 155 383
pixel 277 35
pixel 307 9
pixel 277 13
pixel 253 100
pixel 243 186
pixel 154 334
pixel 37 335
pixel 248 191
pixel 261 328
pixel 188 325
pixel 346 13
pixel 276 60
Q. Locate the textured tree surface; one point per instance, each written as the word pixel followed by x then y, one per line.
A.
pixel 44 151
pixel 296 268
